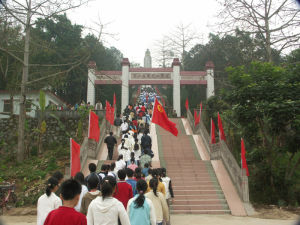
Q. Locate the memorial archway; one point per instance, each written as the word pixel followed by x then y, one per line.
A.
pixel 150 76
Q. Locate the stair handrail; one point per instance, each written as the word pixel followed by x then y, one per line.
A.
pixel 220 151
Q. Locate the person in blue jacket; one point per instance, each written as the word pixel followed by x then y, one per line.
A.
pixel 139 208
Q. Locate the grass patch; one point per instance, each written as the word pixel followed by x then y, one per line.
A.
pixel 30 175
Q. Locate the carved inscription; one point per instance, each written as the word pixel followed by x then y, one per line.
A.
pixel 150 76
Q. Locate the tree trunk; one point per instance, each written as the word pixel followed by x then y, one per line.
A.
pixel 11 110
pixel 268 40
pixel 22 113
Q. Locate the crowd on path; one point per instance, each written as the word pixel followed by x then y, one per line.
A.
pixel 126 191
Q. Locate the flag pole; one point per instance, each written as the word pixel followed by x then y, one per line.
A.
pixel 70 156
pixel 89 124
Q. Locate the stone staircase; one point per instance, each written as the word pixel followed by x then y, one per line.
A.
pixel 195 185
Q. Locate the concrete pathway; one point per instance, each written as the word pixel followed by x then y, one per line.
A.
pixel 176 220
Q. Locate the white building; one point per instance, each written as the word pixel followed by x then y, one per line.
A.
pixel 32 98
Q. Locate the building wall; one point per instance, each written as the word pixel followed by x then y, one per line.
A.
pixel 30 96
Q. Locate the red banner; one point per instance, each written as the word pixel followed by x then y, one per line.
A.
pixel 243 157
pixel 186 104
pixel 94 129
pixel 75 157
pixel 212 132
pixel 221 130
pixel 115 100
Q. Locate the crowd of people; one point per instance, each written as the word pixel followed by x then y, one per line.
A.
pixel 126 191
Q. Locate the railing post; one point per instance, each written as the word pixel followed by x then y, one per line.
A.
pixel 245 186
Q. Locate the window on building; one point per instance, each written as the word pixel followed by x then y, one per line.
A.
pixel 7 105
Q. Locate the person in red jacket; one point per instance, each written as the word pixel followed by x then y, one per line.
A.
pixel 66 214
pixel 124 190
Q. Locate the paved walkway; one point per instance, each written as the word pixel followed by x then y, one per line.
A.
pixel 177 220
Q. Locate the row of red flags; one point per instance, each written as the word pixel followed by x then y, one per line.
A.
pixel 160 118
pixel 93 133
pixel 222 136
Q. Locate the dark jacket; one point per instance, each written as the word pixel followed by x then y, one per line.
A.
pixel 146 141
pixel 118 122
pixel 110 141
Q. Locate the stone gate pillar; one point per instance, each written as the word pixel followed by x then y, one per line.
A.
pixel 210 89
pixel 91 83
pixel 125 83
pixel 176 86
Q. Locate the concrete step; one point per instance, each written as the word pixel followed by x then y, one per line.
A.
pixel 189 175
pixel 193 182
pixel 199 207
pixel 193 196
pixel 196 187
pixel 214 201
pixel 211 212
pixel 186 180
pixel 196 192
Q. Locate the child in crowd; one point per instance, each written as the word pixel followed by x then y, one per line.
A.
pixel 106 210
pixel 102 173
pixel 132 164
pixel 124 190
pixel 93 183
pixel 146 169
pixel 120 164
pixel 138 174
pixel 60 177
pixel 112 170
pixel 92 169
pixel 169 190
pixel 159 202
pixel 80 178
pixel 48 201
pixel 140 209
pixel 66 214
pixel 131 181
pixel 137 150
pixel 160 186
pixel 149 177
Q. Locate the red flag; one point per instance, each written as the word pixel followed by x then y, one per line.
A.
pixel 112 115
pixel 221 131
pixel 212 132
pixel 196 118
pixel 75 157
pixel 107 112
pixel 94 129
pixel 160 118
pixel 115 100
pixel 243 157
pixel 186 104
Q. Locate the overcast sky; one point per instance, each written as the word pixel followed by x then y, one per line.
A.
pixel 138 23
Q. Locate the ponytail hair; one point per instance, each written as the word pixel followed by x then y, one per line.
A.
pixel 50 185
pixel 120 157
pixel 153 185
pixel 141 187
pixel 107 186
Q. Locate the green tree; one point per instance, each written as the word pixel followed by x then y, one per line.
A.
pixel 265 105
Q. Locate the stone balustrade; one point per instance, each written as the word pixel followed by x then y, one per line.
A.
pixel 220 151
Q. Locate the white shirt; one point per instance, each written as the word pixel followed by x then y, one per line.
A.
pixel 124 126
pixel 106 212
pixel 45 205
pixel 120 165
pixel 84 190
